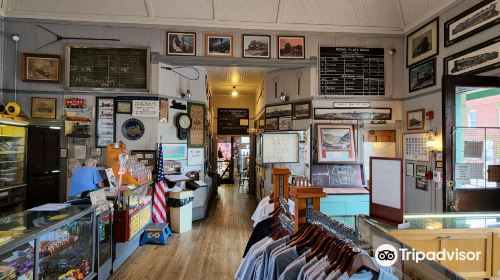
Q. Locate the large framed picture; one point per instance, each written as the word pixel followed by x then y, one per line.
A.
pixel 174 151
pixel 256 46
pixel 478 59
pixel 43 68
pixel 291 47
pixel 422 75
pixel 476 19
pixel 281 110
pixel 415 120
pixel 335 143
pixel 423 43
pixel 43 108
pixel 302 110
pixel 181 43
pixel 219 45
pixel 377 114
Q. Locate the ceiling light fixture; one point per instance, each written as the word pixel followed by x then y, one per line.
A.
pixel 234 93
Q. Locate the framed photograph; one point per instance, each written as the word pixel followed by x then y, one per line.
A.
pixel 219 45
pixel 285 123
pixel 439 164
pixel 281 110
pixel 422 75
pixel 174 151
pixel 480 58
pixel 423 43
pixel 43 108
pixel 302 110
pixel 148 157
pixel 181 43
pixel 124 107
pixel 196 135
pixel 256 46
pixel 476 19
pixel 421 184
pixel 376 114
pixel 272 124
pixel 43 68
pixel 415 120
pixel 420 170
pixel 291 47
pixel 410 169
pixel 164 110
pixel 335 143
pixel 105 121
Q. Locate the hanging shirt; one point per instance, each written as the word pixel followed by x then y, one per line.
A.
pixel 306 267
pixel 267 254
pixel 320 268
pixel 247 265
pixel 283 259
pixel 262 230
pixel 293 269
pixel 264 208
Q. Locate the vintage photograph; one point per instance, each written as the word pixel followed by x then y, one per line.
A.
pixel 285 123
pixel 410 169
pixel 302 110
pixel 420 170
pixel 421 184
pixel 291 47
pixel 335 143
pixel 41 68
pixel 423 43
pixel 474 20
pixel 124 107
pixel 272 124
pixel 181 43
pixel 352 113
pixel 257 46
pixel 283 110
pixel 415 120
pixel 43 108
pixel 422 75
pixel 219 45
pixel 480 58
pixel 164 110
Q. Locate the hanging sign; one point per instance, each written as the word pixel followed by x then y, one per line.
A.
pixel 145 108
pixel 351 104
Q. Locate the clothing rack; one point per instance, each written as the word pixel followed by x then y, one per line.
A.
pixel 332 225
pixel 285 206
pixel 286 223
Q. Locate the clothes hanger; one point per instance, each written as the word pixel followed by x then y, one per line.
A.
pixel 319 248
pixel 309 242
pixel 361 260
pixel 306 236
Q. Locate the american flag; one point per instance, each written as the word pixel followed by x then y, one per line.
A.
pixel 159 204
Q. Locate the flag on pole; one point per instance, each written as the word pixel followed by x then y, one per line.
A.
pixel 159 203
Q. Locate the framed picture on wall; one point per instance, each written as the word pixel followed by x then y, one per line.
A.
pixel 302 110
pixel 196 136
pixel 478 59
pixel 256 46
pixel 281 110
pixel 43 108
pixel 42 68
pixel 163 110
pixel 219 45
pixel 181 43
pixel 124 107
pixel 291 47
pixel 105 121
pixel 410 169
pixel 423 43
pixel 420 170
pixel 421 184
pixel 415 120
pixel 335 143
pixel 271 124
pixel 285 123
pixel 174 151
pixel 422 75
pixel 476 19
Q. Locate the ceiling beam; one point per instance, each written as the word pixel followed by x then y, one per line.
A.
pixel 149 8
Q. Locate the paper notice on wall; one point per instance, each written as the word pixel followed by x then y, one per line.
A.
pixel 80 151
pixel 145 108
pixel 462 173
pixel 473 149
pixel 476 170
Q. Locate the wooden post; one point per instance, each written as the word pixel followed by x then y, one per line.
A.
pixel 305 197
pixel 280 179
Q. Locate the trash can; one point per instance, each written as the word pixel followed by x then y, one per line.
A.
pixel 181 210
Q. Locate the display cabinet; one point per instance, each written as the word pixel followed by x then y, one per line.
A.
pixel 48 245
pixel 104 244
pixel 12 166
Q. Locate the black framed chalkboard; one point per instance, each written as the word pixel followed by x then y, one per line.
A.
pixel 232 121
pixel 107 68
pixel 338 175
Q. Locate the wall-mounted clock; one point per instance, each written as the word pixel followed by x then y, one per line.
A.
pixel 183 123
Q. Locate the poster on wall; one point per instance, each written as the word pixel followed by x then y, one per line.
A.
pixel 145 108
pixel 415 147
pixel 195 156
pixel 196 133
pixel 105 121
pixel 335 143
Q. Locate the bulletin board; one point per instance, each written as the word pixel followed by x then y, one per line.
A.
pixel 386 193
pixel 280 147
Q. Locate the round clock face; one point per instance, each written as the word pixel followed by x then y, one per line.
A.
pixel 184 122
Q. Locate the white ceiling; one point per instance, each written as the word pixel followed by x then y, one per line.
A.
pixel 344 16
pixel 246 79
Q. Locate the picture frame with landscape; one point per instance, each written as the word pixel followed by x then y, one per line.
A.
pixel 302 110
pixel 43 108
pixel 272 124
pixel 422 75
pixel 219 45
pixel 423 43
pixel 291 47
pixel 256 46
pixel 285 123
pixel 415 120
pixel 42 68
pixel 181 43
pixel 335 143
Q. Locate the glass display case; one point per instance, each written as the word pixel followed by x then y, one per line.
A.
pixel 104 244
pixel 12 166
pixel 48 245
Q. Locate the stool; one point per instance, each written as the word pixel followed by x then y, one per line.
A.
pixel 156 233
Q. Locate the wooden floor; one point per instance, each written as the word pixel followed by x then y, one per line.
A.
pixel 212 250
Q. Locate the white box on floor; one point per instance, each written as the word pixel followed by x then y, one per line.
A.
pixel 181 218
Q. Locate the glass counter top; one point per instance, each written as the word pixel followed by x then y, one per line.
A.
pixel 16 228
